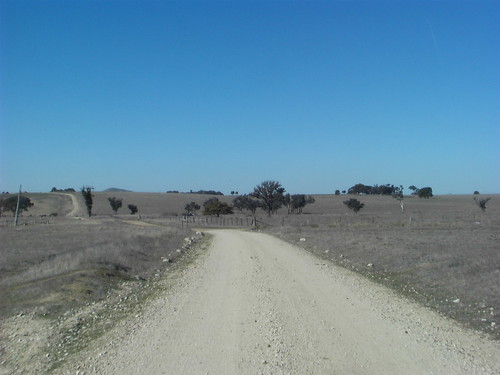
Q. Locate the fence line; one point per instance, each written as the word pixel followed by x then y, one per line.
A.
pixel 214 221
pixel 30 220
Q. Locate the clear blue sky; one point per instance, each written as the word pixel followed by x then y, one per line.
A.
pixel 319 95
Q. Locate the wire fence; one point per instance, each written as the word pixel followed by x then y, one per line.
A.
pixel 22 221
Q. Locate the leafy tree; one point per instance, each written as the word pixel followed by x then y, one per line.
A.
pixel 386 189
pixel 476 192
pixel 133 209
pixel 354 204
pixel 10 204
pixel 299 201
pixel 359 189
pixel 87 196
pixel 481 203
pixel 214 207
pixel 271 195
pixel 414 189
pixel 246 202
pixel 115 203
pixel 191 208
pixel 337 192
pixel 425 192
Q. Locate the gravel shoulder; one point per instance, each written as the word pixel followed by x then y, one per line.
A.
pixel 252 304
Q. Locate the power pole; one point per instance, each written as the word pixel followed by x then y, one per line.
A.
pixel 16 217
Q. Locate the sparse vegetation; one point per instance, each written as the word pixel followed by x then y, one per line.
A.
pixel 115 204
pixel 354 204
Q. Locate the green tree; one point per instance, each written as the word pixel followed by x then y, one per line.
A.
pixel 425 192
pixel 115 203
pixel 354 204
pixel 215 207
pixel 133 209
pixel 271 193
pixel 88 197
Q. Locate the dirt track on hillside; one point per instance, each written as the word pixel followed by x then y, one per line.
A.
pixel 255 305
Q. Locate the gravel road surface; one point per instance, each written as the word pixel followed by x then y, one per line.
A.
pixel 252 304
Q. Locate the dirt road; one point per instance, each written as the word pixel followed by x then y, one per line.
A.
pixel 255 305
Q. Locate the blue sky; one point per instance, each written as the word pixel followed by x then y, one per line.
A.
pixel 319 95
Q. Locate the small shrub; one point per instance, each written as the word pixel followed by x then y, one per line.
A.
pixel 133 209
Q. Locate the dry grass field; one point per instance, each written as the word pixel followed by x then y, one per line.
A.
pixel 49 268
pixel 442 252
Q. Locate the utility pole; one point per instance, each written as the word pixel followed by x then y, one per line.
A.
pixel 16 217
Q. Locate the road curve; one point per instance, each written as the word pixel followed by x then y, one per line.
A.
pixel 253 304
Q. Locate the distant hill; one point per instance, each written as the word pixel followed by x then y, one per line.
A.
pixel 113 190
